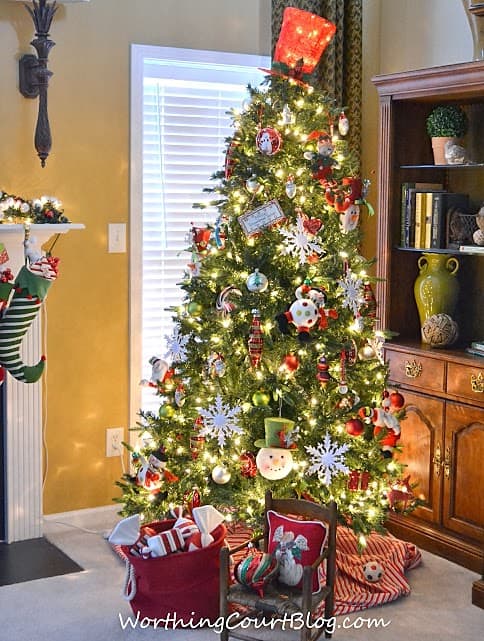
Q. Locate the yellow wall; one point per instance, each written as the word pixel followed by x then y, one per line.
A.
pixel 87 378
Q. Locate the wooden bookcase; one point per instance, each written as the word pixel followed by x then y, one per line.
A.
pixel 443 434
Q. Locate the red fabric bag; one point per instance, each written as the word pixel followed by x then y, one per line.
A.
pixel 182 586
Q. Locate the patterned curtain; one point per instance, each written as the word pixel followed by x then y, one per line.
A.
pixel 339 70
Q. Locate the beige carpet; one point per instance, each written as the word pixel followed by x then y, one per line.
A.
pixel 88 606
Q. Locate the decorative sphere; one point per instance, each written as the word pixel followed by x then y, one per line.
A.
pixel 220 475
pixel 354 427
pixel 257 282
pixel 261 398
pixel 166 411
pixel 373 571
pixel 439 330
pixel 397 400
pixel 194 309
pixel 366 353
pixel 268 141
pixel 290 363
pixel 478 237
pixel 252 184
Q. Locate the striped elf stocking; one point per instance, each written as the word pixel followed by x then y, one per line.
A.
pixel 30 290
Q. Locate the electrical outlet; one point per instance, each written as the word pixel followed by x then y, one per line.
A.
pixel 114 441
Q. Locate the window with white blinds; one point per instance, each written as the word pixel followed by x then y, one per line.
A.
pixel 182 116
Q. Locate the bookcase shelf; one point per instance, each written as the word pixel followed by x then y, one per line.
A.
pixel 434 250
pixel 443 389
pixel 474 165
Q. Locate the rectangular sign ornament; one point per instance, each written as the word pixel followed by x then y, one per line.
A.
pixel 252 222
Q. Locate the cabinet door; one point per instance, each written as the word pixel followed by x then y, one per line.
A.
pixel 423 449
pixel 463 505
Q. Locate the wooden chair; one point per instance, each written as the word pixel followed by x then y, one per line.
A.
pixel 279 601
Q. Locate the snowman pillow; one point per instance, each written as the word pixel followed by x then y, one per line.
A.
pixel 295 544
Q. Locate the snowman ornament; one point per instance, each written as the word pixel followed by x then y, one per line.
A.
pixel 274 463
pixel 274 459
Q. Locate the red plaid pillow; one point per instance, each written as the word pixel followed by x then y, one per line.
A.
pixel 295 544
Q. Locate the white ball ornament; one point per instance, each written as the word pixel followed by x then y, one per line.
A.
pixel 257 282
pixel 221 475
pixel 373 571
pixel 274 463
pixel 252 184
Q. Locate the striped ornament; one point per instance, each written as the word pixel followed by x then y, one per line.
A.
pixel 29 292
pixel 256 570
pixel 163 543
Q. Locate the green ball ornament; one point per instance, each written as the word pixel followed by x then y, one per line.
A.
pixel 194 309
pixel 166 411
pixel 261 399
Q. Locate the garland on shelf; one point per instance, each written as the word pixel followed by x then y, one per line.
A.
pixel 15 209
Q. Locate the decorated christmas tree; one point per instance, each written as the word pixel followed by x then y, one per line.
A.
pixel 274 375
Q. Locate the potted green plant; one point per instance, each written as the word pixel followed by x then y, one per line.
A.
pixel 444 123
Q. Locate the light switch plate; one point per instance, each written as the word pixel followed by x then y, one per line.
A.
pixel 117 238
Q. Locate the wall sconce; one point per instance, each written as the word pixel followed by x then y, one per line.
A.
pixel 33 72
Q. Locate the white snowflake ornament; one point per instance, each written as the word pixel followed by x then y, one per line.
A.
pixel 327 459
pixel 298 241
pixel 176 343
pixel 220 421
pixel 352 288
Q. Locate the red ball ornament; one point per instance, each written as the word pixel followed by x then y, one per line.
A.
pixel 354 427
pixel 268 141
pixel 397 400
pixel 290 363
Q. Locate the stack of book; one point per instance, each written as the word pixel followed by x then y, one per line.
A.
pixel 476 348
pixel 424 209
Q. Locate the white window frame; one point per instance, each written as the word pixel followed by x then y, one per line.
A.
pixel 141 55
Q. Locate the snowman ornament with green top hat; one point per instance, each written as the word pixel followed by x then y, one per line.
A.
pixel 274 460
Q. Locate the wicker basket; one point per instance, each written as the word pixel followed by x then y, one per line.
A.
pixel 460 228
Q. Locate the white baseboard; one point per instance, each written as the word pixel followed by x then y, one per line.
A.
pixel 82 518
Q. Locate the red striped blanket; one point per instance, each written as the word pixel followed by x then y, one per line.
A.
pixel 352 591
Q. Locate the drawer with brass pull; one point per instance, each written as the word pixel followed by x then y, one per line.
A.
pixel 466 381
pixel 416 370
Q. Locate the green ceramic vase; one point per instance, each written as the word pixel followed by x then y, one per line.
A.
pixel 436 288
